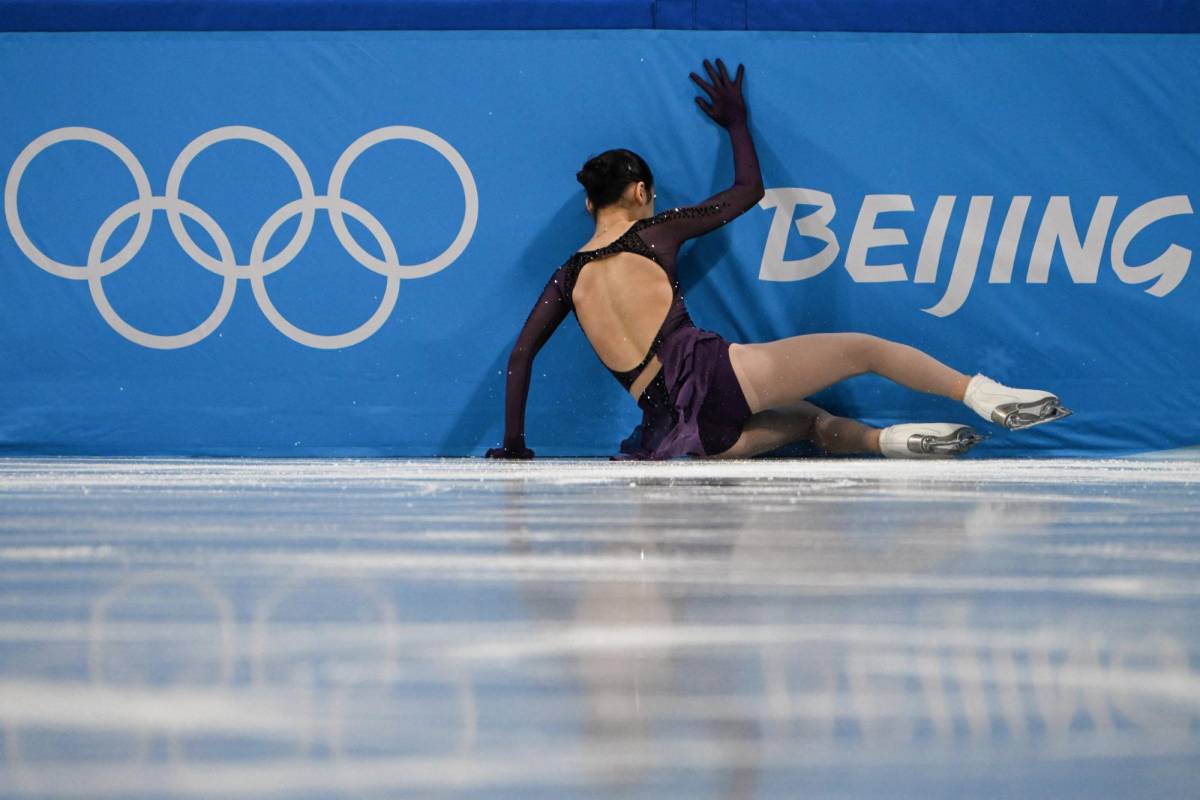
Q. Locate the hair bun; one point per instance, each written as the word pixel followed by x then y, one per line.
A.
pixel 605 176
pixel 595 173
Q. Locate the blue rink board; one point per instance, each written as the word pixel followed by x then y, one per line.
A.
pixel 980 16
pixel 1077 131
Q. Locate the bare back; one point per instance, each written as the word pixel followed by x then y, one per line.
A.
pixel 621 302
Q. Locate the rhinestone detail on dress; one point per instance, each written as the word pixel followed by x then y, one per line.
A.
pixel 630 242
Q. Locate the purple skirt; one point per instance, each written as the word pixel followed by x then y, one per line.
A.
pixel 694 406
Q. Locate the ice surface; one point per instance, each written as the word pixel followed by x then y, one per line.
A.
pixel 586 629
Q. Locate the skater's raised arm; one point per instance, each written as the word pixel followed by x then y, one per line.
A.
pixel 550 310
pixel 727 107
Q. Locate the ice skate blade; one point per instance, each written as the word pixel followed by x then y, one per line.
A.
pixel 954 444
pixel 1019 416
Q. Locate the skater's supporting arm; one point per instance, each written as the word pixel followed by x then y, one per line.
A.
pixel 728 109
pixel 550 310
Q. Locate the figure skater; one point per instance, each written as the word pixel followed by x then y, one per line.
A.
pixel 701 395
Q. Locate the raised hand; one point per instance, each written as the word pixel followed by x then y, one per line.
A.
pixel 522 452
pixel 726 105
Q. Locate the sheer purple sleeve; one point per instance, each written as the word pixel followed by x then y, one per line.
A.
pixel 681 224
pixel 549 311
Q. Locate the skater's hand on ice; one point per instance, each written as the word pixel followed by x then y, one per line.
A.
pixel 521 452
pixel 727 105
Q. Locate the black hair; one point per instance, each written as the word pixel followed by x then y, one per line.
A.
pixel 605 176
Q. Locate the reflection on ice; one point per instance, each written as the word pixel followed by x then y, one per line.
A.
pixel 575 629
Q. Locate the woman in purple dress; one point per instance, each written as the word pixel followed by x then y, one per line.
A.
pixel 701 395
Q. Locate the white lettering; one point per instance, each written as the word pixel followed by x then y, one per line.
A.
pixel 1171 266
pixel 935 236
pixel 1058 227
pixel 962 276
pixel 815 225
pixel 866 236
pixel 1056 232
pixel 1010 237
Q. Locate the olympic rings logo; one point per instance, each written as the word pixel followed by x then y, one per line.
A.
pixel 226 266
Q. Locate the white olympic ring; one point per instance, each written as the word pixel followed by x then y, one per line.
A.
pixel 259 267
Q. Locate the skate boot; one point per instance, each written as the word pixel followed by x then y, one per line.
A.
pixel 927 440
pixel 1015 409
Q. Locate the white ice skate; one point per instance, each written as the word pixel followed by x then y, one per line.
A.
pixel 927 440
pixel 1015 409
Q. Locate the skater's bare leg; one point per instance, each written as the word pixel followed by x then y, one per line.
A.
pixel 803 421
pixel 784 372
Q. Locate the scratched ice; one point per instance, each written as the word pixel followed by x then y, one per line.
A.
pixel 583 629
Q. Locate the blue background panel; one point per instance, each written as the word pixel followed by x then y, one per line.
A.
pixel 976 16
pixel 1086 133
pixel 85 15
pixel 947 16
